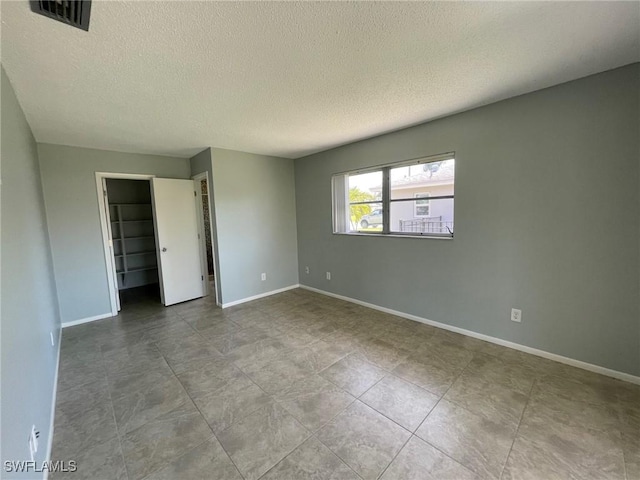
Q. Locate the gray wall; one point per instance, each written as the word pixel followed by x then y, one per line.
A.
pixel 256 223
pixel 71 199
pixel 201 163
pixel 29 305
pixel 546 220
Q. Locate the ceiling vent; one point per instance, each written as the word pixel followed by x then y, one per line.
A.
pixel 72 12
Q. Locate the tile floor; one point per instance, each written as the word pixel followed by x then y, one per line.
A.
pixel 302 386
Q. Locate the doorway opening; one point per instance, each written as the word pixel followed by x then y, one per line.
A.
pixel 132 236
pixel 152 233
pixel 205 204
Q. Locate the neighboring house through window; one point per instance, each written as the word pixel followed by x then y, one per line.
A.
pixel 421 207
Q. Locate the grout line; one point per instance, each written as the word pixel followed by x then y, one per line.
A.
pixel 431 411
pixel 336 454
pixel 515 435
pixel 443 395
pixel 434 407
pixel 113 412
pixel 376 383
pixel 470 470
pixel 395 456
pixel 289 453
pixel 273 401
pixel 205 420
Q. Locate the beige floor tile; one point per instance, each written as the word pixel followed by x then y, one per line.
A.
pixel 363 438
pixel 401 401
pixel 278 374
pixel 208 375
pixel 84 416
pixel 179 352
pixel 513 375
pixel 479 444
pixel 257 442
pixel 431 373
pixel 103 461
pixel 232 402
pixel 228 343
pixel 162 440
pixel 420 461
pixel 311 461
pixel 546 449
pixel 314 401
pixel 353 374
pixel 492 400
pixel 134 410
pixel 207 460
pixel 563 410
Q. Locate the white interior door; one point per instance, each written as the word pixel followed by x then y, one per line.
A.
pixel 112 257
pixel 176 225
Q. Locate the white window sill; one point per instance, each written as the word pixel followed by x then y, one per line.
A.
pixel 394 235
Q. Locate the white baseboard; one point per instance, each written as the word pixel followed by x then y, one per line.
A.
pixel 86 320
pixel 221 305
pixel 261 295
pixel 627 377
pixel 53 406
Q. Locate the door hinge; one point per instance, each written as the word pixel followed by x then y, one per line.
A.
pixel 202 277
pixel 195 194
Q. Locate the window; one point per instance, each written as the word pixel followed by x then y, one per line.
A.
pixel 405 198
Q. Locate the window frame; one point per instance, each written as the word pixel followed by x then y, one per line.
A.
pixel 386 198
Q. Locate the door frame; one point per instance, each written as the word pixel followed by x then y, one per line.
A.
pixel 105 218
pixel 203 244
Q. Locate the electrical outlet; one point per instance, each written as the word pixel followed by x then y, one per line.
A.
pixel 33 442
pixel 328 275
pixel 53 342
pixel 263 276
pixel 306 270
pixel 516 315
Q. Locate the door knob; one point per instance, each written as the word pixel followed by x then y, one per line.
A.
pixel 164 249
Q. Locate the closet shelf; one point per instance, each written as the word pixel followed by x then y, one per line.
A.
pixel 138 269
pixel 132 221
pixel 128 204
pixel 132 238
pixel 148 252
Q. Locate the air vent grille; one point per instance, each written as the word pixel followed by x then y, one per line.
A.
pixel 72 12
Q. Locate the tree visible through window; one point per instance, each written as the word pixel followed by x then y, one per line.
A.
pixel 358 209
pixel 365 209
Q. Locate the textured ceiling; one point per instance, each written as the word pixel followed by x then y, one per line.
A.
pixel 289 79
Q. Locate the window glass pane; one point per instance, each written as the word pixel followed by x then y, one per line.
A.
pixel 422 216
pixel 427 179
pixel 365 187
pixel 366 217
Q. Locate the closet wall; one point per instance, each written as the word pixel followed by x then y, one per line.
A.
pixel 132 232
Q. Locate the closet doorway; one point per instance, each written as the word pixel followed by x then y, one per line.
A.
pixel 132 236
pixel 150 230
